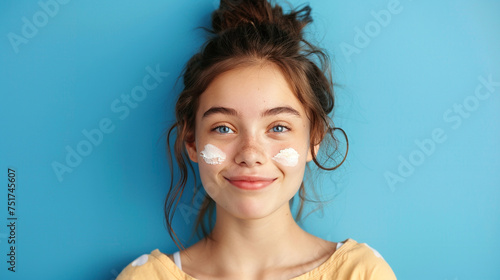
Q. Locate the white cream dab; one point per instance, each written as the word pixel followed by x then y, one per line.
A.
pixel 212 154
pixel 287 157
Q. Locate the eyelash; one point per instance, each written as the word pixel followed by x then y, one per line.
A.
pixel 284 127
pixel 215 129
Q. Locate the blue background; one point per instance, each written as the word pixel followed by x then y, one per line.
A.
pixel 438 220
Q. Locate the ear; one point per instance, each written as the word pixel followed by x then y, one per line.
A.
pixel 191 149
pixel 309 154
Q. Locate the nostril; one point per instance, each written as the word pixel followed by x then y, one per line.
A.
pixel 250 155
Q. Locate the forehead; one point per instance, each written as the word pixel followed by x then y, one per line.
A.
pixel 249 90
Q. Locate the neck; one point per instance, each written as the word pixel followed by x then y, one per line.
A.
pixel 252 245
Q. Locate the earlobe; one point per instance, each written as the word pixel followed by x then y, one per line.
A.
pixel 309 154
pixel 191 149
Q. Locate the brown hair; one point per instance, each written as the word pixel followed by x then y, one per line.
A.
pixel 249 32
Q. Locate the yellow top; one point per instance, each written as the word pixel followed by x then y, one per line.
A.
pixel 352 261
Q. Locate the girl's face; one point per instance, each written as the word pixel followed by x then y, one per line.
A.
pixel 251 141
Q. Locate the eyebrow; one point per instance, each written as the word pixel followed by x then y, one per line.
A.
pixel 220 110
pixel 281 110
pixel 270 112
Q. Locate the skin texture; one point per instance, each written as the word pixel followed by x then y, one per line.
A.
pixel 256 235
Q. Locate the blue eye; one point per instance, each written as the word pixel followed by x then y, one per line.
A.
pixel 279 128
pixel 223 129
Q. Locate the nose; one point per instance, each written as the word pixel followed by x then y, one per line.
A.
pixel 250 152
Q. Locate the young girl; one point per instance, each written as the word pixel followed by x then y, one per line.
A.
pixel 253 112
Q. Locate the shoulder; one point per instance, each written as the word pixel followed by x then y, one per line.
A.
pixel 154 265
pixel 363 261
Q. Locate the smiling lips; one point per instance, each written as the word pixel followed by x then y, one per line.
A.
pixel 250 182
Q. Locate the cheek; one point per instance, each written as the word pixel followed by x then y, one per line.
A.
pixel 211 161
pixel 210 179
pixel 293 153
pixel 287 157
pixel 212 155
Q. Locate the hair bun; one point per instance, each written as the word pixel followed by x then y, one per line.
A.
pixel 234 13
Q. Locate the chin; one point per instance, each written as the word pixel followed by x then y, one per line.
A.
pixel 247 209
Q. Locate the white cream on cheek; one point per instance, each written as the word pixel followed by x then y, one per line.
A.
pixel 212 154
pixel 287 157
